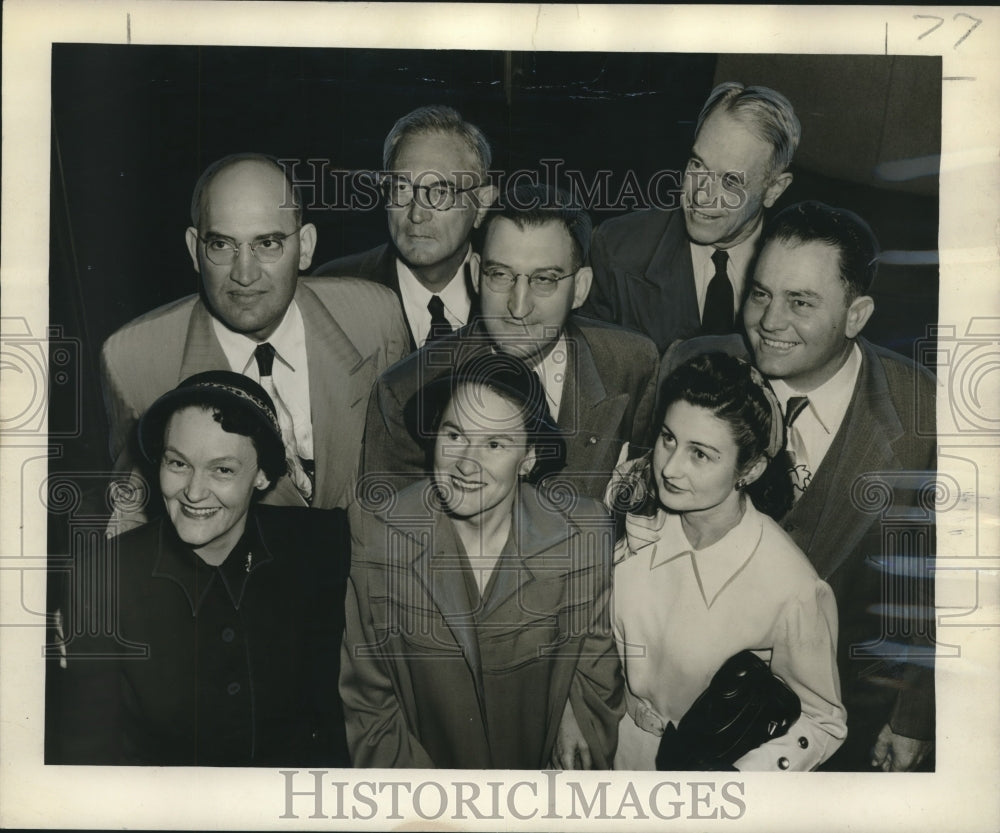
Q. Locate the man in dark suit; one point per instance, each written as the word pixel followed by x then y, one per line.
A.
pixel 861 470
pixel 435 185
pixel 675 273
pixel 316 346
pixel 599 379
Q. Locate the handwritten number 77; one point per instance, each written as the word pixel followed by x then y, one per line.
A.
pixel 940 21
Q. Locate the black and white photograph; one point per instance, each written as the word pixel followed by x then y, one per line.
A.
pixel 598 427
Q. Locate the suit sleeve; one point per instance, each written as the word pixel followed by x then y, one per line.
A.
pixel 122 417
pixel 397 334
pixel 391 457
pixel 86 708
pixel 913 713
pixel 377 730
pixel 600 303
pixel 643 429
pixel 804 655
pixel 121 413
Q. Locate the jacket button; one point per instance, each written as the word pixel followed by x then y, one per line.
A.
pixel 592 440
pixel 228 634
pixel 783 763
pixel 804 743
pixel 233 688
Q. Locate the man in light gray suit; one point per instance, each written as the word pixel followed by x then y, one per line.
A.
pixel 317 346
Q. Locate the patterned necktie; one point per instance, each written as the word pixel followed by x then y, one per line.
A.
pixel 719 307
pixel 439 324
pixel 264 354
pixel 800 474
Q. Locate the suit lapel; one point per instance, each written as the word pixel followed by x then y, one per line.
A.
pixel 868 430
pixel 385 273
pixel 340 380
pixel 588 413
pixel 670 268
pixel 535 529
pixel 202 350
pixel 439 568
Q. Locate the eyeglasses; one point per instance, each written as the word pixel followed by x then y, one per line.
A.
pixel 440 196
pixel 541 283
pixel 223 251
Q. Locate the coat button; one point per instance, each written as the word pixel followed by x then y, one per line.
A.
pixel 234 688
pixel 228 634
pixel 592 440
pixel 804 743
pixel 782 763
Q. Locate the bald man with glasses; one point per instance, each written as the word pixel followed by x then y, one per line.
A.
pixel 316 346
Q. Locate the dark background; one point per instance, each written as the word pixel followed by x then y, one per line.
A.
pixel 133 127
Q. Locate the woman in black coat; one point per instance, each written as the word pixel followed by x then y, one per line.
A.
pixel 210 636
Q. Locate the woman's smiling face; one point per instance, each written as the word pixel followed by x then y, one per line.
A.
pixel 480 450
pixel 208 477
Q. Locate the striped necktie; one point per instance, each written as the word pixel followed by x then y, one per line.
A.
pixel 264 354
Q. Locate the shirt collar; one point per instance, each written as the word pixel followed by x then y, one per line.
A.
pixel 552 372
pixel 455 296
pixel 715 566
pixel 829 402
pixel 179 563
pixel 739 255
pixel 288 341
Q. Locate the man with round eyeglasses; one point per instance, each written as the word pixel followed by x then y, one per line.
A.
pixel 436 191
pixel 677 272
pixel 317 346
pixel 530 277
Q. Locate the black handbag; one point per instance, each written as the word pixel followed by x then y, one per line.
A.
pixel 744 706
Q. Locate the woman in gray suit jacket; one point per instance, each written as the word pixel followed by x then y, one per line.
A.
pixel 477 622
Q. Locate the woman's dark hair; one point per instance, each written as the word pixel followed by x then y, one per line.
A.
pixel 232 416
pixel 724 385
pixel 510 378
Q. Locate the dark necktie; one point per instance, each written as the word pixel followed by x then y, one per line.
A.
pixel 439 324
pixel 264 354
pixel 800 474
pixel 718 316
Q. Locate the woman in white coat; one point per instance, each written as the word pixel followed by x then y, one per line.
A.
pixel 701 573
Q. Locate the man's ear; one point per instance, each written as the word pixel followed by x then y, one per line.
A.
pixel 581 286
pixel 753 474
pixel 777 188
pixel 858 313
pixel 527 463
pixel 307 245
pixel 261 482
pixel 191 238
pixel 475 264
pixel 486 195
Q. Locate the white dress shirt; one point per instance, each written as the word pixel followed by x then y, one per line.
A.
pixel 415 296
pixel 290 372
pixel 740 256
pixel 820 420
pixel 552 371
